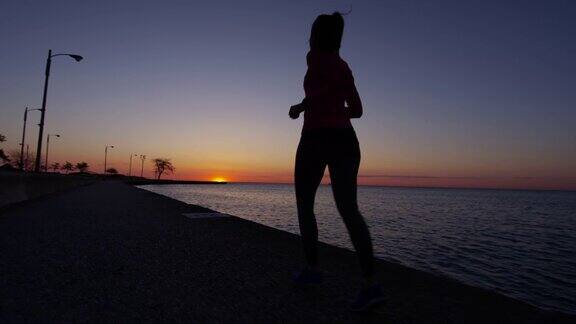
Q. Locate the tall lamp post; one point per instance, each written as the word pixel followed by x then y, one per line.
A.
pixel 78 58
pixel 48 147
pixel 142 157
pixel 27 154
pixel 24 136
pixel 106 156
pixel 130 165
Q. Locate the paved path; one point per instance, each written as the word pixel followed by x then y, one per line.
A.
pixel 112 252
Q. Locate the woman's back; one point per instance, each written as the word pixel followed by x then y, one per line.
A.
pixel 328 85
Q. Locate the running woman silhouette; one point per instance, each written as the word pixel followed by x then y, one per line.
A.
pixel 328 139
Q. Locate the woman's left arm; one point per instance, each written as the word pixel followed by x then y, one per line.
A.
pixel 355 109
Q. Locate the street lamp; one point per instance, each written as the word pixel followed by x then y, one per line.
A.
pixel 78 58
pixel 106 156
pixel 47 147
pixel 24 137
pixel 142 157
pixel 130 167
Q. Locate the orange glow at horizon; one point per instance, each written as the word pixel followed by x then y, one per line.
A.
pixel 430 119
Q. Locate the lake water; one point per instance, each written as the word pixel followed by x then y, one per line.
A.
pixel 519 243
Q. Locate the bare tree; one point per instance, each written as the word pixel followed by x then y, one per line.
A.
pixel 162 165
pixel 29 158
pixel 14 156
pixel 28 163
pixel 68 167
pixel 82 166
pixel 3 157
pixel 55 166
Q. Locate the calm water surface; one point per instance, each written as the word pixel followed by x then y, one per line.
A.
pixel 519 243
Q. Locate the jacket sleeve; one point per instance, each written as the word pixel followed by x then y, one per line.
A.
pixel 353 101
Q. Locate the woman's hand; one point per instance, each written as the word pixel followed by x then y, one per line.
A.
pixel 295 111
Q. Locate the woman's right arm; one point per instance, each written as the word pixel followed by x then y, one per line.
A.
pixel 313 91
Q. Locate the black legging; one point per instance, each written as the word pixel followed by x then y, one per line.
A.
pixel 338 148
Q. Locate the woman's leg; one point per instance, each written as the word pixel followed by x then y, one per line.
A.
pixel 343 165
pixel 308 173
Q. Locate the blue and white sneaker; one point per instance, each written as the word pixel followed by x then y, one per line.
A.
pixel 308 277
pixel 368 298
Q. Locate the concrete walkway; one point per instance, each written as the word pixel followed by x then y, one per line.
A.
pixel 111 252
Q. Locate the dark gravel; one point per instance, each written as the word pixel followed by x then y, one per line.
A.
pixel 110 252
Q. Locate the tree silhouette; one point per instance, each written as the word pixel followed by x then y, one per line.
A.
pixel 68 167
pixel 112 171
pixel 82 166
pixel 3 156
pixel 14 156
pixel 55 166
pixel 28 161
pixel 29 158
pixel 162 165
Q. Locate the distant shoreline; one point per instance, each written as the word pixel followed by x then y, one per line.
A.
pixel 142 182
pixel 17 187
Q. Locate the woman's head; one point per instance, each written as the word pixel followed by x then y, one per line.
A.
pixel 326 34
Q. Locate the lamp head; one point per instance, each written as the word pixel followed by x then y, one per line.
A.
pixel 78 58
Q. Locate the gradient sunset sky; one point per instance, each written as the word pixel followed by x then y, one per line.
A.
pixel 456 93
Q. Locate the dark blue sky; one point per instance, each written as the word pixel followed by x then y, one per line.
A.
pixel 450 88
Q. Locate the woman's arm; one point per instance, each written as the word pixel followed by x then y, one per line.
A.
pixel 353 101
pixel 295 110
pixel 316 91
pixel 355 109
pixel 312 93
